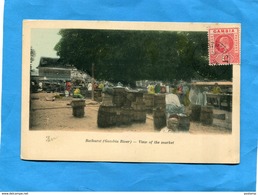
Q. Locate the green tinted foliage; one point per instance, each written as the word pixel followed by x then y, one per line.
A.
pixel 127 56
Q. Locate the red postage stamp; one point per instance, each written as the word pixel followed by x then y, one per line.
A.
pixel 224 46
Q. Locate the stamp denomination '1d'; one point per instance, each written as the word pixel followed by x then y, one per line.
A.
pixel 224 46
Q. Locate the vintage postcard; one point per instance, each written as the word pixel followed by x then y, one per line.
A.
pixel 131 91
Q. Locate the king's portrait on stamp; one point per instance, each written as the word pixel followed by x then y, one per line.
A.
pixel 224 46
pixel 132 87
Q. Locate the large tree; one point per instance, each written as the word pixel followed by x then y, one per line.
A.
pixel 128 56
pixel 32 55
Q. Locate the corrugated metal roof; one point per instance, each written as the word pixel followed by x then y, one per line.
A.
pixel 53 62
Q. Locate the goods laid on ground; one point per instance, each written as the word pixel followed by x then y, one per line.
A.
pixel 148 100
pixel 119 96
pixel 124 116
pixel 138 108
pixel 130 98
pixel 160 101
pixel 78 107
pixel 172 123
pixel 107 99
pixel 159 118
pixel 107 115
pixel 122 108
pixel 206 115
pixel 183 122
pixel 196 112
pixel 110 116
pixel 97 95
pixel 159 111
pixel 125 107
pixel 178 122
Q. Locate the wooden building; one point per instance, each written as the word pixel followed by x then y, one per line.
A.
pixel 54 69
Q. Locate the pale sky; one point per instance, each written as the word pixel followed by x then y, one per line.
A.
pixel 43 42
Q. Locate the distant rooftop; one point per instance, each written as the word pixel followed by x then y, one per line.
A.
pixel 53 62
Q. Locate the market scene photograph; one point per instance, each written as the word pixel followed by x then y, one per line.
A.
pixel 127 81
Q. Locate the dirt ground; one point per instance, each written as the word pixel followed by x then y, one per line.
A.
pixel 49 114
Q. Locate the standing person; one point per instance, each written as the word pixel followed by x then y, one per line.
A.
pixel 201 97
pixel 216 90
pixel 180 92
pixel 157 88
pixel 95 86
pixel 68 87
pixel 40 85
pixel 101 85
pixel 193 94
pixel 185 91
pixel 77 93
pixel 151 89
pixel 89 87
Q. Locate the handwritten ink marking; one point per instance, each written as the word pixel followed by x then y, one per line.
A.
pixel 50 139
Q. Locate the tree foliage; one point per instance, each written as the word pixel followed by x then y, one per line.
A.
pixel 127 56
pixel 32 54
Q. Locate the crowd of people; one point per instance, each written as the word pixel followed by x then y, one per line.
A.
pixel 180 95
pixel 187 93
